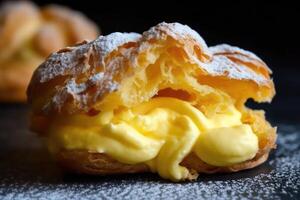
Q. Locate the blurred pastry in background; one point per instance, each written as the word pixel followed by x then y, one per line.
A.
pixel 28 35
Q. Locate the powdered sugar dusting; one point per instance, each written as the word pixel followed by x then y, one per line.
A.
pixel 223 66
pixel 73 87
pixel 186 31
pixel 174 30
pixel 97 77
pixel 182 34
pixel 70 61
pixel 239 53
pixel 232 49
pixel 88 59
pixel 106 44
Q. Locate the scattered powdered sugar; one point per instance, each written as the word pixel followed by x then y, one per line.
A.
pixel 73 87
pixel 239 53
pixel 106 44
pixel 232 49
pixel 67 62
pixel 174 30
pixel 74 62
pixel 97 77
pixel 288 143
pixel 220 65
pixel 186 31
pixel 223 66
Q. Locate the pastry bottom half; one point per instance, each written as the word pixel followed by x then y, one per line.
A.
pixel 93 163
pixel 164 135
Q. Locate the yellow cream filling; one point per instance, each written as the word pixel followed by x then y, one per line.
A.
pixel 159 133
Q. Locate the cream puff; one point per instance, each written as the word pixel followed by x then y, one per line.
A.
pixel 161 102
pixel 28 35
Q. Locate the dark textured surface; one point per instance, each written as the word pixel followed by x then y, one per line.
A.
pixel 27 172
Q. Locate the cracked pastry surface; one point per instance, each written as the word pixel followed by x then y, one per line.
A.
pixel 161 101
pixel 28 35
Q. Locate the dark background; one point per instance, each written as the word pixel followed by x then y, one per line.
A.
pixel 270 29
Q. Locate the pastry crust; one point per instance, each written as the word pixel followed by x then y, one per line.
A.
pixel 85 162
pixel 28 35
pixel 102 63
pixel 79 79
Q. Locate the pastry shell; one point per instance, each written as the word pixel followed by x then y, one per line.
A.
pixel 76 79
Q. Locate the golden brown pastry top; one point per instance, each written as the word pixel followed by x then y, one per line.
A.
pixel 76 79
pixel 45 30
